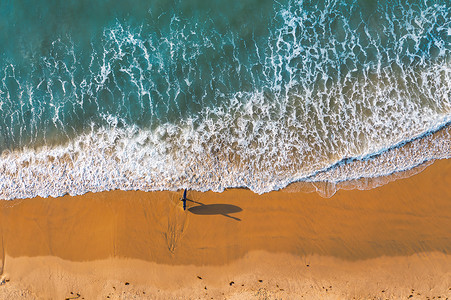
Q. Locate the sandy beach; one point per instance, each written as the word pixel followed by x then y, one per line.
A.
pixel 391 242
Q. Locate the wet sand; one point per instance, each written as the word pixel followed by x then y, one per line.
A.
pixel 393 241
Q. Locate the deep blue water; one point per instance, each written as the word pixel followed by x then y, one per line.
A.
pixel 98 95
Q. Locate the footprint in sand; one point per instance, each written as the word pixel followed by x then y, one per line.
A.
pixel 3 280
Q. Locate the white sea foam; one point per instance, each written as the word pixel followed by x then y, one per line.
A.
pixel 134 159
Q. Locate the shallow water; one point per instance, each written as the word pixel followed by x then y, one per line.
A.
pixel 99 95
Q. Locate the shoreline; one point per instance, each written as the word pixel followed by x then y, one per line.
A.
pixel 396 236
pixel 55 172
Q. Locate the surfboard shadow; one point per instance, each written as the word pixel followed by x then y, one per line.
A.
pixel 215 209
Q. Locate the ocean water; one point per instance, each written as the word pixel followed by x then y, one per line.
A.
pixel 169 94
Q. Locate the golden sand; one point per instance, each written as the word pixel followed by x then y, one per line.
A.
pixel 393 241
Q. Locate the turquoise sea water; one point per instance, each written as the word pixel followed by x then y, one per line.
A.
pixel 152 95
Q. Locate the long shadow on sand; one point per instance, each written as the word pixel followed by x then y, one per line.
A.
pixel 215 209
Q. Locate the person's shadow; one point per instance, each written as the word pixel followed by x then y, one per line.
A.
pixel 215 209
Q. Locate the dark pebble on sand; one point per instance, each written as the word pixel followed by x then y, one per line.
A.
pixel 260 280
pixel 199 277
pixel 127 283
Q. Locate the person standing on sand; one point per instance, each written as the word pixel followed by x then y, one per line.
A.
pixel 184 200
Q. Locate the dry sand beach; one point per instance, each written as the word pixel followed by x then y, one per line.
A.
pixel 391 242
